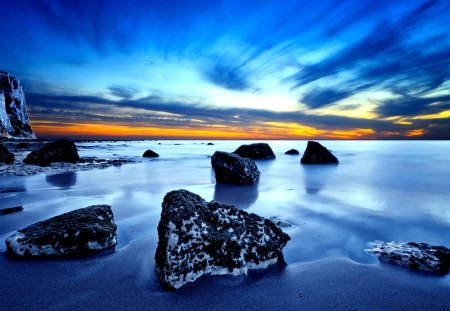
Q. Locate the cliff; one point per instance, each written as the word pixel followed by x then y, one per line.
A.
pixel 14 121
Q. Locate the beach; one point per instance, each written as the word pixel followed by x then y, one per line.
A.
pixel 380 191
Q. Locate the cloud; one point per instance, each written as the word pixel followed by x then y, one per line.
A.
pixel 412 106
pixel 123 91
pixel 320 97
pixel 227 76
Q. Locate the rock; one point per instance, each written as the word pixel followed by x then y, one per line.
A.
pixel 259 151
pixel 280 223
pixel 230 168
pixel 417 256
pixel 23 145
pixel 315 153
pixel 78 232
pixel 62 150
pixel 197 238
pixel 14 121
pixel 10 210
pixel 150 154
pixel 292 152
pixel 210 144
pixel 6 156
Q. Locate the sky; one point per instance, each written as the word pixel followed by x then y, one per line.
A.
pixel 225 69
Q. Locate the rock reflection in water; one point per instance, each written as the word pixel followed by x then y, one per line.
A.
pixel 316 176
pixel 241 196
pixel 63 180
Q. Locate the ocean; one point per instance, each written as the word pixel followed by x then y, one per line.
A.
pixel 380 191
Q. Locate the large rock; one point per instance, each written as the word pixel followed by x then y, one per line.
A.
pixel 14 121
pixel 5 155
pixel 315 153
pixel 81 231
pixel 230 168
pixel 258 151
pixel 418 256
pixel 150 154
pixel 62 150
pixel 197 238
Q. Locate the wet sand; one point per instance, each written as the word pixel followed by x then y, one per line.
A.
pixel 124 280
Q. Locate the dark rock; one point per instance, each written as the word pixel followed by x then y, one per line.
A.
pixel 230 168
pixel 6 156
pixel 10 210
pixel 78 232
pixel 62 150
pixel 197 238
pixel 150 154
pixel 292 152
pixel 315 153
pixel 210 144
pixel 23 145
pixel 259 151
pixel 417 256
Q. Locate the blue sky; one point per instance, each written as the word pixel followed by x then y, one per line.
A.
pixel 270 69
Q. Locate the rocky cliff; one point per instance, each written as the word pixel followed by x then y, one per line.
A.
pixel 14 121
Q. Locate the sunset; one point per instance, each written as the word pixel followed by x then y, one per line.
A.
pixel 225 155
pixel 229 69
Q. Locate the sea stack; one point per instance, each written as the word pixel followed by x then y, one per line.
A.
pixel 315 153
pixel 14 121
pixel 197 238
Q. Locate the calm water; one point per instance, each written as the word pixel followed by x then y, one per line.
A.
pixel 382 190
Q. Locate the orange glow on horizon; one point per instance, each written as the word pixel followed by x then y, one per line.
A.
pixel 266 130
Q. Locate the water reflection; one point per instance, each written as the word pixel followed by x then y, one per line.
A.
pixel 316 176
pixel 63 180
pixel 241 196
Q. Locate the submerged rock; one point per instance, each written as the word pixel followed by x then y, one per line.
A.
pixel 292 152
pixel 5 155
pixel 280 222
pixel 10 210
pixel 81 231
pixel 150 154
pixel 197 238
pixel 258 151
pixel 315 153
pixel 230 168
pixel 417 256
pixel 62 150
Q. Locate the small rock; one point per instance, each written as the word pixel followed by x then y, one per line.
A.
pixel 5 155
pixel 210 144
pixel 292 152
pixel 150 154
pixel 81 231
pixel 230 168
pixel 62 150
pixel 315 153
pixel 417 256
pixel 197 238
pixel 10 210
pixel 258 151
pixel 280 223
